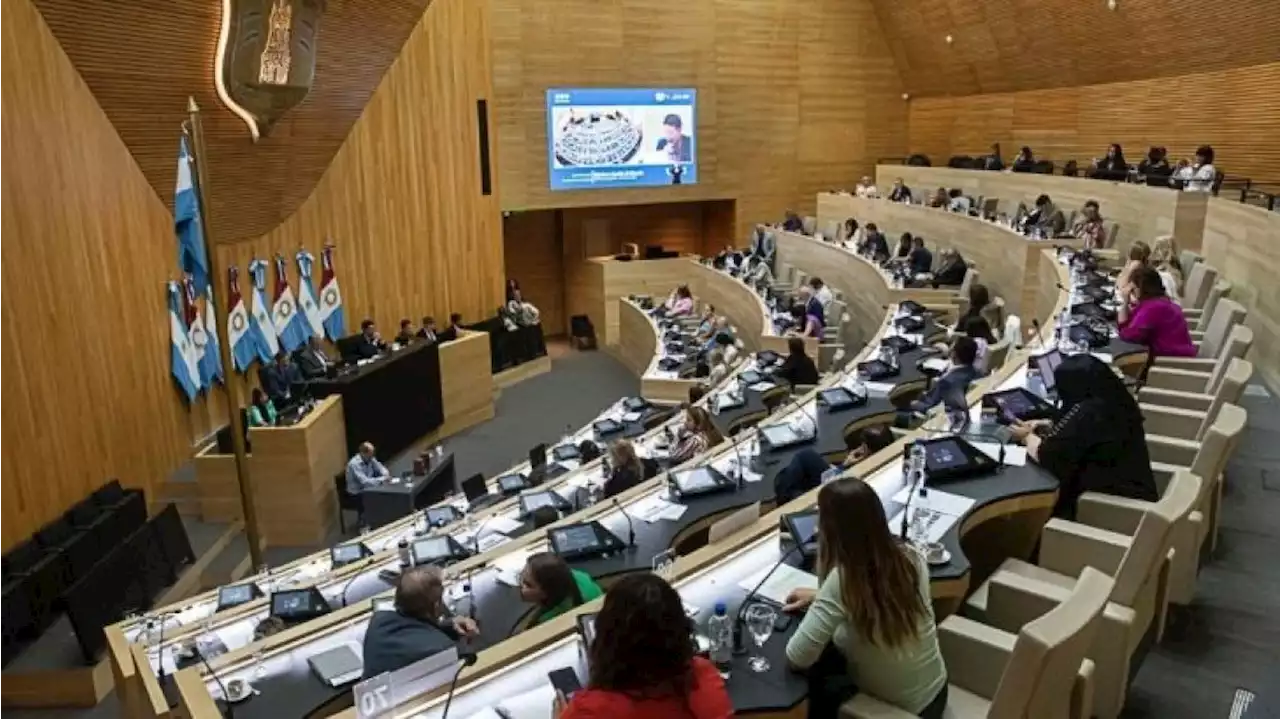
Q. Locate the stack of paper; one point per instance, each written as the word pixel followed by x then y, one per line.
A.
pixel 780 584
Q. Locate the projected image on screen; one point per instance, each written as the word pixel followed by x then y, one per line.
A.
pixel 621 137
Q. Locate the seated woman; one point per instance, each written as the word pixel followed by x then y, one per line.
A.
pixel 1112 167
pixel 644 663
pixel 679 303
pixel 698 435
pixel 1150 318
pixel 262 413
pixel 1024 162
pixel 874 245
pixel 957 201
pixel 1155 166
pixel 905 243
pixel 950 388
pixel 979 298
pixel 717 367
pixel 941 198
pixel 1139 251
pixel 1089 227
pixel 805 323
pixel 873 439
pixel 625 468
pixel 708 324
pixel 870 623
pixel 1098 445
pixel 549 584
pixel 798 367
pixel 952 270
pixel 1164 259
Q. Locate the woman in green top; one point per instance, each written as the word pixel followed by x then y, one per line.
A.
pixel 873 607
pixel 550 584
pixel 261 412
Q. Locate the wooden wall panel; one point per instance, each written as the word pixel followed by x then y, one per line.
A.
pixel 533 256
pixel 402 199
pixel 87 247
pixel 1243 242
pixel 792 97
pixel 1233 110
pixel 142 59
pixel 1011 45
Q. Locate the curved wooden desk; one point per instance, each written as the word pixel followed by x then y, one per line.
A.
pixel 1143 212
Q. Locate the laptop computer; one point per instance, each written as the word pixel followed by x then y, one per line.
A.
pixel 338 666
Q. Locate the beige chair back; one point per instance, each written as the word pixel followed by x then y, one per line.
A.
pixel 1151 542
pixel 1038 680
pixel 997 353
pixel 970 277
pixel 1112 233
pixel 1226 315
pixel 810 224
pixel 993 313
pixel 1188 259
pixel 1237 346
pixel 1230 389
pixel 1221 288
pixel 1196 288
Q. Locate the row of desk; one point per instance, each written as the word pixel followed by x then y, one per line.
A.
pixel 286 648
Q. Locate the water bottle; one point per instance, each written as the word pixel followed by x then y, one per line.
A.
pixel 917 463
pixel 893 357
pixel 918 532
pixel 720 634
pixel 403 550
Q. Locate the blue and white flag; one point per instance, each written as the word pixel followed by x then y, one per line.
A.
pixel 331 314
pixel 182 356
pixel 307 292
pixel 186 221
pixel 290 323
pixel 195 328
pixel 264 330
pixel 240 331
pixel 211 365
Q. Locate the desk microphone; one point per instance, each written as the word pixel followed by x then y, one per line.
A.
pixel 631 527
pixel 160 640
pixel 739 469
pixel 229 712
pixel 911 488
pixel 1039 337
pixel 354 576
pixel 739 645
pixel 465 659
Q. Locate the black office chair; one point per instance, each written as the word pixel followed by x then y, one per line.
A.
pixel 347 501
pixel 42 577
pixel 80 550
pixel 172 538
pixel 92 519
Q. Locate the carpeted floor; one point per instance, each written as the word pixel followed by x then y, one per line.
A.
pixel 1228 640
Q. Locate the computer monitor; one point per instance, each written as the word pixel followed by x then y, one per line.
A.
pixel 436 550
pixel 474 486
pixel 298 605
pixel 1046 364
pixel 345 554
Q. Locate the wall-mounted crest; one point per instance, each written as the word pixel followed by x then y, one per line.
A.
pixel 266 59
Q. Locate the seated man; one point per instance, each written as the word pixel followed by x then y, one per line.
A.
pixel 957 201
pixel 405 336
pixel 364 470
pixel 758 273
pixel 1047 219
pixel 369 344
pixel 900 192
pixel 821 293
pixel 952 271
pixel 792 222
pixel 866 187
pixel 1090 228
pixel 920 261
pixel 313 360
pixel 428 330
pixel 278 379
pixel 417 628
pixel 451 332
pixel 949 389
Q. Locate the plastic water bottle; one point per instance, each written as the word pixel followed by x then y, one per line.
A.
pixel 720 634
pixel 917 463
pixel 403 550
pixel 918 532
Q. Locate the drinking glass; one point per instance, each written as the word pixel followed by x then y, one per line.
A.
pixel 259 662
pixel 760 619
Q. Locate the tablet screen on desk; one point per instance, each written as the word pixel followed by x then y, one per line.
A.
pixel 944 455
pixel 235 596
pixel 431 550
pixel 531 502
pixel 511 483
pixel 698 479
pixel 575 539
pixel 346 554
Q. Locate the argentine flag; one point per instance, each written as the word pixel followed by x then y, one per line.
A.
pixel 264 330
pixel 307 292
pixel 290 323
pixel 195 329
pixel 182 354
pixel 211 364
pixel 331 314
pixel 240 332
pixel 186 221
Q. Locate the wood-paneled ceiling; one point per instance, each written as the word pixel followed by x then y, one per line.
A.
pixel 142 58
pixel 1009 45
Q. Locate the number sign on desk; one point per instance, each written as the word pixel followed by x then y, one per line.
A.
pixel 377 696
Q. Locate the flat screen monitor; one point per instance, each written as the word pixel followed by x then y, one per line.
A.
pixel 431 550
pixel 621 137
pixel 345 554
pixel 474 487
pixel 237 594
pixel 1046 364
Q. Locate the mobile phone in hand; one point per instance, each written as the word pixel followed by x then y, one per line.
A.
pixel 565 681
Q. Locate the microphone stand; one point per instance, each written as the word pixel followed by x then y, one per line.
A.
pixel 739 646
pixel 229 713
pixel 909 476
pixel 464 660
pixel 354 576
pixel 631 527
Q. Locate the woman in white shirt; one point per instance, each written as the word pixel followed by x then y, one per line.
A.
pixel 1200 176
pixel 866 188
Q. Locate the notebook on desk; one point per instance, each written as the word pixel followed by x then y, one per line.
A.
pixel 338 666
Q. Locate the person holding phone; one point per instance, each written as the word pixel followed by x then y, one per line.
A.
pixel 644 663
pixel 418 627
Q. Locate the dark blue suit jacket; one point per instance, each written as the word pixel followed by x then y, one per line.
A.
pixel 394 641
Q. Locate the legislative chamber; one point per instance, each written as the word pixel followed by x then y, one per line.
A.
pixel 505 376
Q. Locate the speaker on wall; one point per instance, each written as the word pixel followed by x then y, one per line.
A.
pixel 482 127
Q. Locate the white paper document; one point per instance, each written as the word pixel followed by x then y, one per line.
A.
pixel 490 541
pixel 938 524
pixel 784 579
pixel 501 523
pixel 1014 455
pixel 943 502
pixel 880 388
pixel 533 704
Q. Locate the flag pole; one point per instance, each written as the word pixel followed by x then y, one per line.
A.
pixel 230 382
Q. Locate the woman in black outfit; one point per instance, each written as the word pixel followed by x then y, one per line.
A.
pixel 1025 161
pixel 904 246
pixel 627 469
pixel 979 297
pixel 1098 445
pixel 798 367
pixel 1113 166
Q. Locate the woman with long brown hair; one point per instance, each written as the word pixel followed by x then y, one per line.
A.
pixel 873 608
pixel 548 582
pixel 643 662
pixel 698 435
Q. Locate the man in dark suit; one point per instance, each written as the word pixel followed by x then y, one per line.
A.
pixel 312 359
pixel 949 389
pixel 369 344
pixel 417 628
pixel 451 332
pixel 428 331
pixel 278 379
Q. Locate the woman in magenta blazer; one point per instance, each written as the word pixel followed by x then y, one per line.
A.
pixel 1155 320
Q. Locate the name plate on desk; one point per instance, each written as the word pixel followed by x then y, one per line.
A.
pixel 378 696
